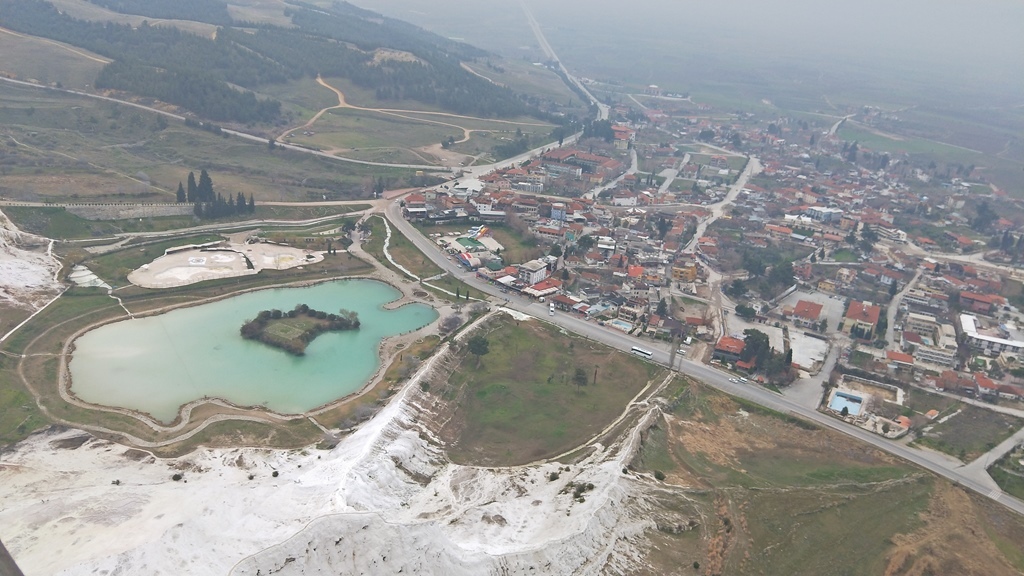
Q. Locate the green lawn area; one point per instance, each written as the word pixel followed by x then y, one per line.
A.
pixel 880 143
pixel 1009 474
pixel 921 401
pixel 520 403
pixel 844 255
pixel 406 254
pixel 58 223
pixel 518 249
pixel 409 256
pixel 861 359
pixel 970 433
pixel 19 414
pixel 347 128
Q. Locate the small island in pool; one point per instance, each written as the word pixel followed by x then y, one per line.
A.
pixel 293 330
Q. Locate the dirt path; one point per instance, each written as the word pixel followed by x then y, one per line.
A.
pixel 475 73
pixel 99 59
pixel 400 113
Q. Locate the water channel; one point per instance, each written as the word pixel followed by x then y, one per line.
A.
pixel 158 363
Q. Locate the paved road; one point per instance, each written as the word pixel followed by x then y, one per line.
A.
pixel 894 307
pixel 835 127
pixel 974 479
pixel 718 208
pixel 603 109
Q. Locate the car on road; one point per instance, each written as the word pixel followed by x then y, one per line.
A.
pixel 733 380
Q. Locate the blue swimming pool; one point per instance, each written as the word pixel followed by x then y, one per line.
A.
pixel 852 403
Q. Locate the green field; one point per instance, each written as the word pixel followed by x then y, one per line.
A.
pixel 970 433
pixel 347 128
pixel 517 248
pixel 300 99
pixel 66 147
pixel 1008 472
pixel 89 11
pixel 775 495
pixel 520 403
pixel 843 255
pixel 914 146
pixel 48 62
pixel 58 223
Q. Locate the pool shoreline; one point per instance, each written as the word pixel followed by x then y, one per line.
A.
pixel 386 350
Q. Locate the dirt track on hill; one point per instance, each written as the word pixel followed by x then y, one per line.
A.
pixel 433 150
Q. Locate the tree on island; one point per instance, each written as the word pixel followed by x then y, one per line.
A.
pixel 256 329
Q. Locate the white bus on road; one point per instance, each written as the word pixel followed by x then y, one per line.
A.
pixel 641 352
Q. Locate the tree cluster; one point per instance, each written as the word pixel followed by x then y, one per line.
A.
pixel 599 129
pixel 778 366
pixel 160 61
pixel 207 204
pixel 255 329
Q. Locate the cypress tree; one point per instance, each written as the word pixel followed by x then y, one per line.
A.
pixel 252 204
pixel 192 195
pixel 180 195
pixel 205 187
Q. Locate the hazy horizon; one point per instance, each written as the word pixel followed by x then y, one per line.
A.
pixel 933 46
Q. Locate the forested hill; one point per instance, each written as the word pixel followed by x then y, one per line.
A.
pixel 202 74
pixel 209 11
pixel 370 30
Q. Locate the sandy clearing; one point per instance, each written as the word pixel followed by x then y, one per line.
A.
pixel 28 273
pixel 227 261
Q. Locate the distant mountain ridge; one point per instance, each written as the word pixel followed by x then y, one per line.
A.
pixel 202 74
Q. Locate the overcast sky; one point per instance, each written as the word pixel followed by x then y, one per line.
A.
pixel 977 45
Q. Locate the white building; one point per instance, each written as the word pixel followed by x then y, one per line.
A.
pixel 991 345
pixel 533 271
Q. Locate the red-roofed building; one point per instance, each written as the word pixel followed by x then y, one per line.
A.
pixel 415 200
pixel 747 365
pixel 900 359
pixel 563 302
pixel 862 317
pixel 982 303
pixel 729 349
pixel 985 386
pixel 778 231
pixel 806 314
